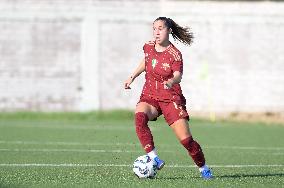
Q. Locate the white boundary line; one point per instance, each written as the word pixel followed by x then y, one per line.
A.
pixel 132 144
pixel 127 165
pixel 100 151
pixel 75 150
pixel 80 127
pixel 244 147
pixel 106 151
pixel 66 143
pixel 72 127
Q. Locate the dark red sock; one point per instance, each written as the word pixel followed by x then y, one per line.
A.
pixel 143 131
pixel 194 150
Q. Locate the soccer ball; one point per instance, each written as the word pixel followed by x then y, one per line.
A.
pixel 144 167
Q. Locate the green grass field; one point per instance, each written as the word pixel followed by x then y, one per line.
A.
pixel 98 149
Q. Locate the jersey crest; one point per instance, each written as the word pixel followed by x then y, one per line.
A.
pixel 165 66
pixel 154 63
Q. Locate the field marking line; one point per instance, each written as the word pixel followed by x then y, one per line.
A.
pixel 74 150
pixel 132 144
pixel 230 166
pixel 109 128
pixel 80 127
pixel 128 165
pixel 100 151
pixel 66 143
pixel 244 147
pixel 276 154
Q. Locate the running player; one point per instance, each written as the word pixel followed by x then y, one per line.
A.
pixel 162 93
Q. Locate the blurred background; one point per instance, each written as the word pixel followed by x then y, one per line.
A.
pixel 74 55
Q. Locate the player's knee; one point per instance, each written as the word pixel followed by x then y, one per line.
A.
pixel 142 107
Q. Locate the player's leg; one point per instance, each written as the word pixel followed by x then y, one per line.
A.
pixel 181 130
pixel 143 113
pixel 177 117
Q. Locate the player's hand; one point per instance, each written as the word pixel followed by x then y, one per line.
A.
pixel 128 82
pixel 168 84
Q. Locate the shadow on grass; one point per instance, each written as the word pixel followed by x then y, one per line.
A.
pixel 172 178
pixel 223 176
pixel 251 175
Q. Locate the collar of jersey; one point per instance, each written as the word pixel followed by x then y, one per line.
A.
pixel 168 47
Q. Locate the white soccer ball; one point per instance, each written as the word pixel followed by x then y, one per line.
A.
pixel 144 167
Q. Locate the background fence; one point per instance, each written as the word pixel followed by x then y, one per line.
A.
pixel 75 55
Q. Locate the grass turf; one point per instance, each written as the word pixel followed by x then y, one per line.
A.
pixel 97 150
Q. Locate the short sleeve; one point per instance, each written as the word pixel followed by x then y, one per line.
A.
pixel 145 48
pixel 178 64
pixel 148 47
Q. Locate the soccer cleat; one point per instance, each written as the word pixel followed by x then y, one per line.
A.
pixel 159 163
pixel 206 173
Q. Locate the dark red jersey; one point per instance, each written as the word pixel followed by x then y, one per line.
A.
pixel 160 67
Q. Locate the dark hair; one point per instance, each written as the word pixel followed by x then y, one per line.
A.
pixel 179 33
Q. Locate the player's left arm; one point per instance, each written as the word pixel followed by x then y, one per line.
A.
pixel 177 68
pixel 176 79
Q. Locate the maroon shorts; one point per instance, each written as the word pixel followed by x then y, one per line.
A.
pixel 172 111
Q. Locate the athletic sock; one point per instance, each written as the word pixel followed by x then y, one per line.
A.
pixel 194 150
pixel 152 154
pixel 143 131
pixel 205 167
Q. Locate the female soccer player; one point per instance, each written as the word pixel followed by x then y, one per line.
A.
pixel 162 93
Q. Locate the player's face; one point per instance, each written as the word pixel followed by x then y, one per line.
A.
pixel 160 32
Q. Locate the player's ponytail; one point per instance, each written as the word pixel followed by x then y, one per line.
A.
pixel 179 33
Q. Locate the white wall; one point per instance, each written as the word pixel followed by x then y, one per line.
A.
pixel 74 55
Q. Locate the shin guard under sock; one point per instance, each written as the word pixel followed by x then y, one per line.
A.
pixel 194 150
pixel 143 131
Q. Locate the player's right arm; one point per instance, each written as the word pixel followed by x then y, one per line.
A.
pixel 136 73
